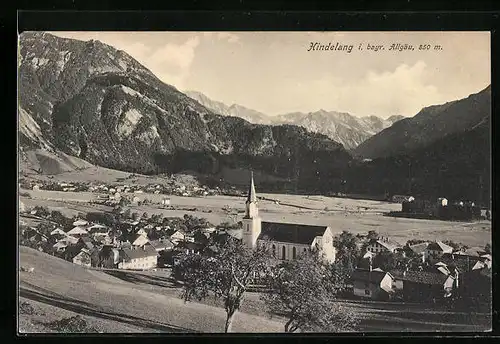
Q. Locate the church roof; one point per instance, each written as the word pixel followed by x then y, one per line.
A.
pixel 252 197
pixel 290 233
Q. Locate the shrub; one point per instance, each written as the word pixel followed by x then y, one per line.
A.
pixel 75 324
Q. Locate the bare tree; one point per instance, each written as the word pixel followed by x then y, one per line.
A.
pixel 302 291
pixel 224 274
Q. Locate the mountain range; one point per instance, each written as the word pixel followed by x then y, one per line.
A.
pixel 92 101
pixel 341 127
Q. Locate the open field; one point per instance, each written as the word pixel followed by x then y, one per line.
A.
pixel 356 216
pixel 125 301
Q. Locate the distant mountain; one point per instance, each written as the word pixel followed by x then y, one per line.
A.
pixel 344 128
pixel 234 110
pixel 430 124
pixel 340 127
pixel 89 100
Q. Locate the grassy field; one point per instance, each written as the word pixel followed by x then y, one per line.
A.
pixel 120 306
pixel 125 301
pixel 356 216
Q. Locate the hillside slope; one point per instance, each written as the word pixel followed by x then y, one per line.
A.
pixel 96 294
pixel 92 101
pixel 457 166
pixel 430 124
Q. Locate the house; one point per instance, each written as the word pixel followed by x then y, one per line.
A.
pixel 83 258
pixel 80 223
pixel 383 244
pixel 165 201
pixel 177 236
pixel 162 245
pixel 442 202
pixel 437 249
pixel 189 247
pixel 60 246
pixel 142 258
pixel 286 241
pixel 418 249
pixel 372 284
pixel 421 286
pixel 139 240
pixel 97 228
pixel 77 232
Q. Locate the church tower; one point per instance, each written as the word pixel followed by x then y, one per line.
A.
pixel 251 221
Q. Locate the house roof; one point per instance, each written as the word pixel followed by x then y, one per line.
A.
pixel 80 223
pixel 387 243
pixel 421 277
pixel 419 248
pixel 290 233
pixel 58 231
pixel 462 263
pixel 134 253
pixel 161 245
pixel 190 245
pixel 374 276
pixel 439 246
pixel 77 230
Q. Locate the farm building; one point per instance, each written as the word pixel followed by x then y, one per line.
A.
pixel 286 241
pixel 138 258
pixel 78 232
pixel 165 201
pixel 373 284
pixel 420 286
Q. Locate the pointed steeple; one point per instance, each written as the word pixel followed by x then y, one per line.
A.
pixel 252 197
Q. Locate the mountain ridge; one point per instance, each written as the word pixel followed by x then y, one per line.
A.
pixel 341 127
pixel 428 125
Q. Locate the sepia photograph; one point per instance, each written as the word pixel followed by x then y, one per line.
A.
pixel 254 182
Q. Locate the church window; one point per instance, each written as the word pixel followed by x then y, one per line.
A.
pixel 283 253
pixel 274 250
pixel 294 252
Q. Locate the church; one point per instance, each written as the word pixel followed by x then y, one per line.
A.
pixel 285 241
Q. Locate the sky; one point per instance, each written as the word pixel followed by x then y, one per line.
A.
pixel 277 72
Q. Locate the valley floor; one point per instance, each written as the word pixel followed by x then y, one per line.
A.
pixel 356 216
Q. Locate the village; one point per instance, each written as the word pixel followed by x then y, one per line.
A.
pixel 380 268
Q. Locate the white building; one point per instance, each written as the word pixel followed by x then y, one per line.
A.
pixel 383 244
pixel 138 258
pixel 286 241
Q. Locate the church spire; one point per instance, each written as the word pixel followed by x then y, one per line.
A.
pixel 252 197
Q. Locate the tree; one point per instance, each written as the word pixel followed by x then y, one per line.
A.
pixel 487 249
pixel 372 235
pixel 301 290
pixel 225 275
pixel 347 249
pixel 385 260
